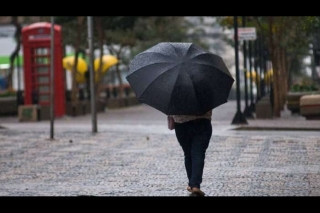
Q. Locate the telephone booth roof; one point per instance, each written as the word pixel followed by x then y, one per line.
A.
pixel 36 28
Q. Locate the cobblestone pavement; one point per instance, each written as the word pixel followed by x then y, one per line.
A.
pixel 134 154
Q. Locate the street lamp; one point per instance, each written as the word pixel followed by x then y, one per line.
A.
pixel 239 117
pixel 247 113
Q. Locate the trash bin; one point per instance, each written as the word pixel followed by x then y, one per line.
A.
pixel 3 83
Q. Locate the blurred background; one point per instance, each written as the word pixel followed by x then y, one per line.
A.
pixel 280 59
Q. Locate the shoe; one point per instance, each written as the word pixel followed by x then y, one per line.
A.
pixel 196 192
pixel 189 189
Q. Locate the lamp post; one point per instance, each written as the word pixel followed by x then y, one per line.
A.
pixel 257 69
pixel 265 67
pixel 252 105
pixel 52 80
pixel 239 118
pixel 92 75
pixel 262 68
pixel 247 113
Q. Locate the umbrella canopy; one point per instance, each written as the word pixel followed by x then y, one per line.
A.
pixel 268 76
pixel 180 78
pixel 107 62
pixel 82 67
pixel 68 63
pixel 254 76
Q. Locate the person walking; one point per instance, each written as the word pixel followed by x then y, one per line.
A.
pixel 193 133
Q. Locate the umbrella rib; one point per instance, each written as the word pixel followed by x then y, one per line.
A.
pixel 211 65
pixel 156 79
pixel 146 66
pixel 193 86
pixel 171 92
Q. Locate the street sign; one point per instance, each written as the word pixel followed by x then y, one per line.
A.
pixel 247 33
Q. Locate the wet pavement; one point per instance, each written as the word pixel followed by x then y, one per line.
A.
pixel 134 154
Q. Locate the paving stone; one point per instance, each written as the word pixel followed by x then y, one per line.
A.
pixel 124 159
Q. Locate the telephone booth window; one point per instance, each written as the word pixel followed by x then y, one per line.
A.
pixel 41 74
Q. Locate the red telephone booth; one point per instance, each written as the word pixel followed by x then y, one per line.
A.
pixel 36 41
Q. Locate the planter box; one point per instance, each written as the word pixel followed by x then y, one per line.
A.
pixel 83 108
pixel 8 106
pixel 310 107
pixel 131 101
pixel 28 113
pixel 100 106
pixel 263 108
pixel 114 103
pixel 44 113
pixel 74 110
pixel 33 113
pixel 293 100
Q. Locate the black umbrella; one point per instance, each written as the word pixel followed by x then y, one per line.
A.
pixel 180 78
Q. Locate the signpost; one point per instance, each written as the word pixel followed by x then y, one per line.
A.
pixel 247 33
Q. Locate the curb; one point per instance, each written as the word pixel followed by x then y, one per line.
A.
pixel 257 128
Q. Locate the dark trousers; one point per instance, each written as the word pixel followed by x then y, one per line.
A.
pixel 194 137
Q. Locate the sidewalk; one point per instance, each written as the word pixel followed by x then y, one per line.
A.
pixel 222 117
pixel 287 121
pixel 134 154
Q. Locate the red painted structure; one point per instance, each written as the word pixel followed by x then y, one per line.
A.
pixel 36 41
